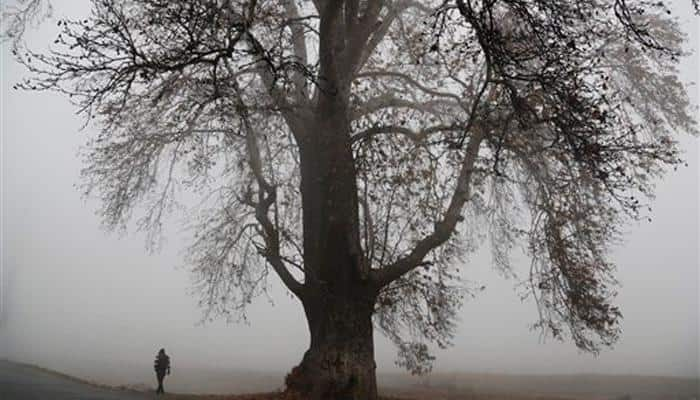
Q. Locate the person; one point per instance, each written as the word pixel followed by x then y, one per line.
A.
pixel 162 367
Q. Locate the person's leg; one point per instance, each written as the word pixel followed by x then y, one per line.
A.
pixel 160 383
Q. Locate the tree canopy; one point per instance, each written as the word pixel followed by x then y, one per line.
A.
pixel 539 123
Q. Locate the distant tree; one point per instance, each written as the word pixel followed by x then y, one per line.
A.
pixel 361 149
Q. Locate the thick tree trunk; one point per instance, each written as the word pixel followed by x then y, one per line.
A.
pixel 339 364
pixel 338 299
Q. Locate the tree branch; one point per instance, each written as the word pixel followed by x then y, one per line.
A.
pixel 444 228
pixel 266 197
pixel 300 51
pixel 412 82
pixel 416 136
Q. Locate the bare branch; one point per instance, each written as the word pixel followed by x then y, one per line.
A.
pixel 445 227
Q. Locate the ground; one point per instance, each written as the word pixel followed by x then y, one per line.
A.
pixel 27 382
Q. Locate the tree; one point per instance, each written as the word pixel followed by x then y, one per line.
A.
pixel 361 149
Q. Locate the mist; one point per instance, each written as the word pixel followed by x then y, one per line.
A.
pixel 78 299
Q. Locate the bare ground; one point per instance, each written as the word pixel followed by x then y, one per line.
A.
pixel 453 386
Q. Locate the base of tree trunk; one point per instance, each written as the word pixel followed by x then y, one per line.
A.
pixel 333 375
pixel 339 364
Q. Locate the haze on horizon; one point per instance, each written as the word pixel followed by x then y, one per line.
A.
pixel 72 294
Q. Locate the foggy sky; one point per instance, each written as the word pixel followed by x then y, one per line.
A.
pixel 72 293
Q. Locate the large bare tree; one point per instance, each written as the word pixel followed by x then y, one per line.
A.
pixel 360 149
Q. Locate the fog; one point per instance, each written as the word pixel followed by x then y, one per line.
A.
pixel 74 296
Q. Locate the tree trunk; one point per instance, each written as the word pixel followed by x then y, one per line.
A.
pixel 339 364
pixel 339 299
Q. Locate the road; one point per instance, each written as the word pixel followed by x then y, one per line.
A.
pixel 20 382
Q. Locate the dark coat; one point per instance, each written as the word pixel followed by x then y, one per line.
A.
pixel 162 364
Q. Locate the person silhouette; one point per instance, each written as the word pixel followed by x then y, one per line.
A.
pixel 162 367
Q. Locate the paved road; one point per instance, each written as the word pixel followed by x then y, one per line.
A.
pixel 19 382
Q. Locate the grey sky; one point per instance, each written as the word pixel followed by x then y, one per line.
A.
pixel 72 292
